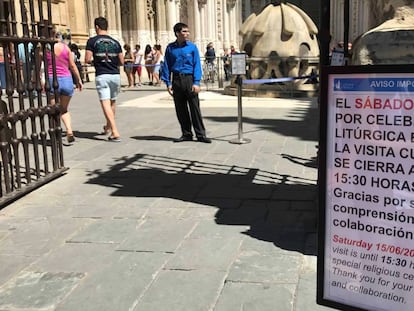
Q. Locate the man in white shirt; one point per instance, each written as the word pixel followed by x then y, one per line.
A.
pixel 137 69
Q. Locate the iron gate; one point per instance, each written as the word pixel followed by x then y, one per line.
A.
pixel 30 133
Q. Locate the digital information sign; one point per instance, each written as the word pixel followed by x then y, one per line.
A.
pixel 366 231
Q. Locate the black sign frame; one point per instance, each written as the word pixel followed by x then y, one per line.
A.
pixel 325 72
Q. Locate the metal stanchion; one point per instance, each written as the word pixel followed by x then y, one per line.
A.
pixel 219 74
pixel 239 139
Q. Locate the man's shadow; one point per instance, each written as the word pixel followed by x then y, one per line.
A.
pixel 312 162
pixel 277 208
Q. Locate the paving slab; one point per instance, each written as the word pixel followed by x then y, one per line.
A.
pixel 206 253
pixel 158 235
pixel 118 286
pixel 38 290
pixel 256 297
pixel 177 290
pixel 35 236
pixel 253 267
pixel 109 231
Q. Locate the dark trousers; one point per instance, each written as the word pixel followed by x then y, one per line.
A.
pixel 187 106
pixel 79 66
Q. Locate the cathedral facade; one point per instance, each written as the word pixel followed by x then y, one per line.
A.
pixel 151 21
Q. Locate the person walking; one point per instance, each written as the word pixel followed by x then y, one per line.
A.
pixel 65 67
pixel 182 62
pixel 107 56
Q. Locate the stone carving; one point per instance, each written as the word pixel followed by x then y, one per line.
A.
pixel 150 9
pixel 125 10
pixel 231 3
pixel 202 3
pixel 280 41
pixel 392 42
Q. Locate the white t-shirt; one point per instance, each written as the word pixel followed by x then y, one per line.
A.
pixel 138 56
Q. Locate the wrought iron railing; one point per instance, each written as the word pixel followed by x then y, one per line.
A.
pixel 30 134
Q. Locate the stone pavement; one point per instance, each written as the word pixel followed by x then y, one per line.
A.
pixel 148 224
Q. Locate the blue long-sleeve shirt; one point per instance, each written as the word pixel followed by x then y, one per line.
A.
pixel 181 59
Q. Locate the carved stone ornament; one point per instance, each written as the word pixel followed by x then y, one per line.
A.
pixel 150 9
pixel 392 42
pixel 125 10
pixel 231 3
pixel 283 40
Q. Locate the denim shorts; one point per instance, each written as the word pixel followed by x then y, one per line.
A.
pixel 157 68
pixel 65 86
pixel 108 86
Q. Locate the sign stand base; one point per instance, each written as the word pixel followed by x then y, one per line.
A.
pixel 240 141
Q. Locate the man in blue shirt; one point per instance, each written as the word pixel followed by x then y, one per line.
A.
pixel 182 63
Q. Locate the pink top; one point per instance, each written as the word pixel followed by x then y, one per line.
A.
pixel 62 63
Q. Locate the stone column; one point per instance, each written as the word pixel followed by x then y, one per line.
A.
pixel 133 21
pixel 150 21
pixel 141 18
pixel 140 14
pixel 127 29
pixel 93 13
pixel 203 24
pixel 171 18
pixel 226 21
pixel 79 26
pixel 360 18
pixel 197 23
pixel 211 16
pixel 162 32
pixel 231 4
pixel 116 13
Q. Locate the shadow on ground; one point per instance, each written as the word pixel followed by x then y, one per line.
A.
pixel 90 135
pixel 300 122
pixel 153 138
pixel 277 208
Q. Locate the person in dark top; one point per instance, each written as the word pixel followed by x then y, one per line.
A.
pixel 107 58
pixel 210 54
pixel 210 57
pixel 76 57
pixel 227 64
pixel 182 62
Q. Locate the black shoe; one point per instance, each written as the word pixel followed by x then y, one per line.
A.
pixel 204 139
pixel 183 138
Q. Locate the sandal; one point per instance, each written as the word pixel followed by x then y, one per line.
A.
pixel 106 130
pixel 114 139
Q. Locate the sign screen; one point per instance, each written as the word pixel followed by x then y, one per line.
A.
pixel 368 192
